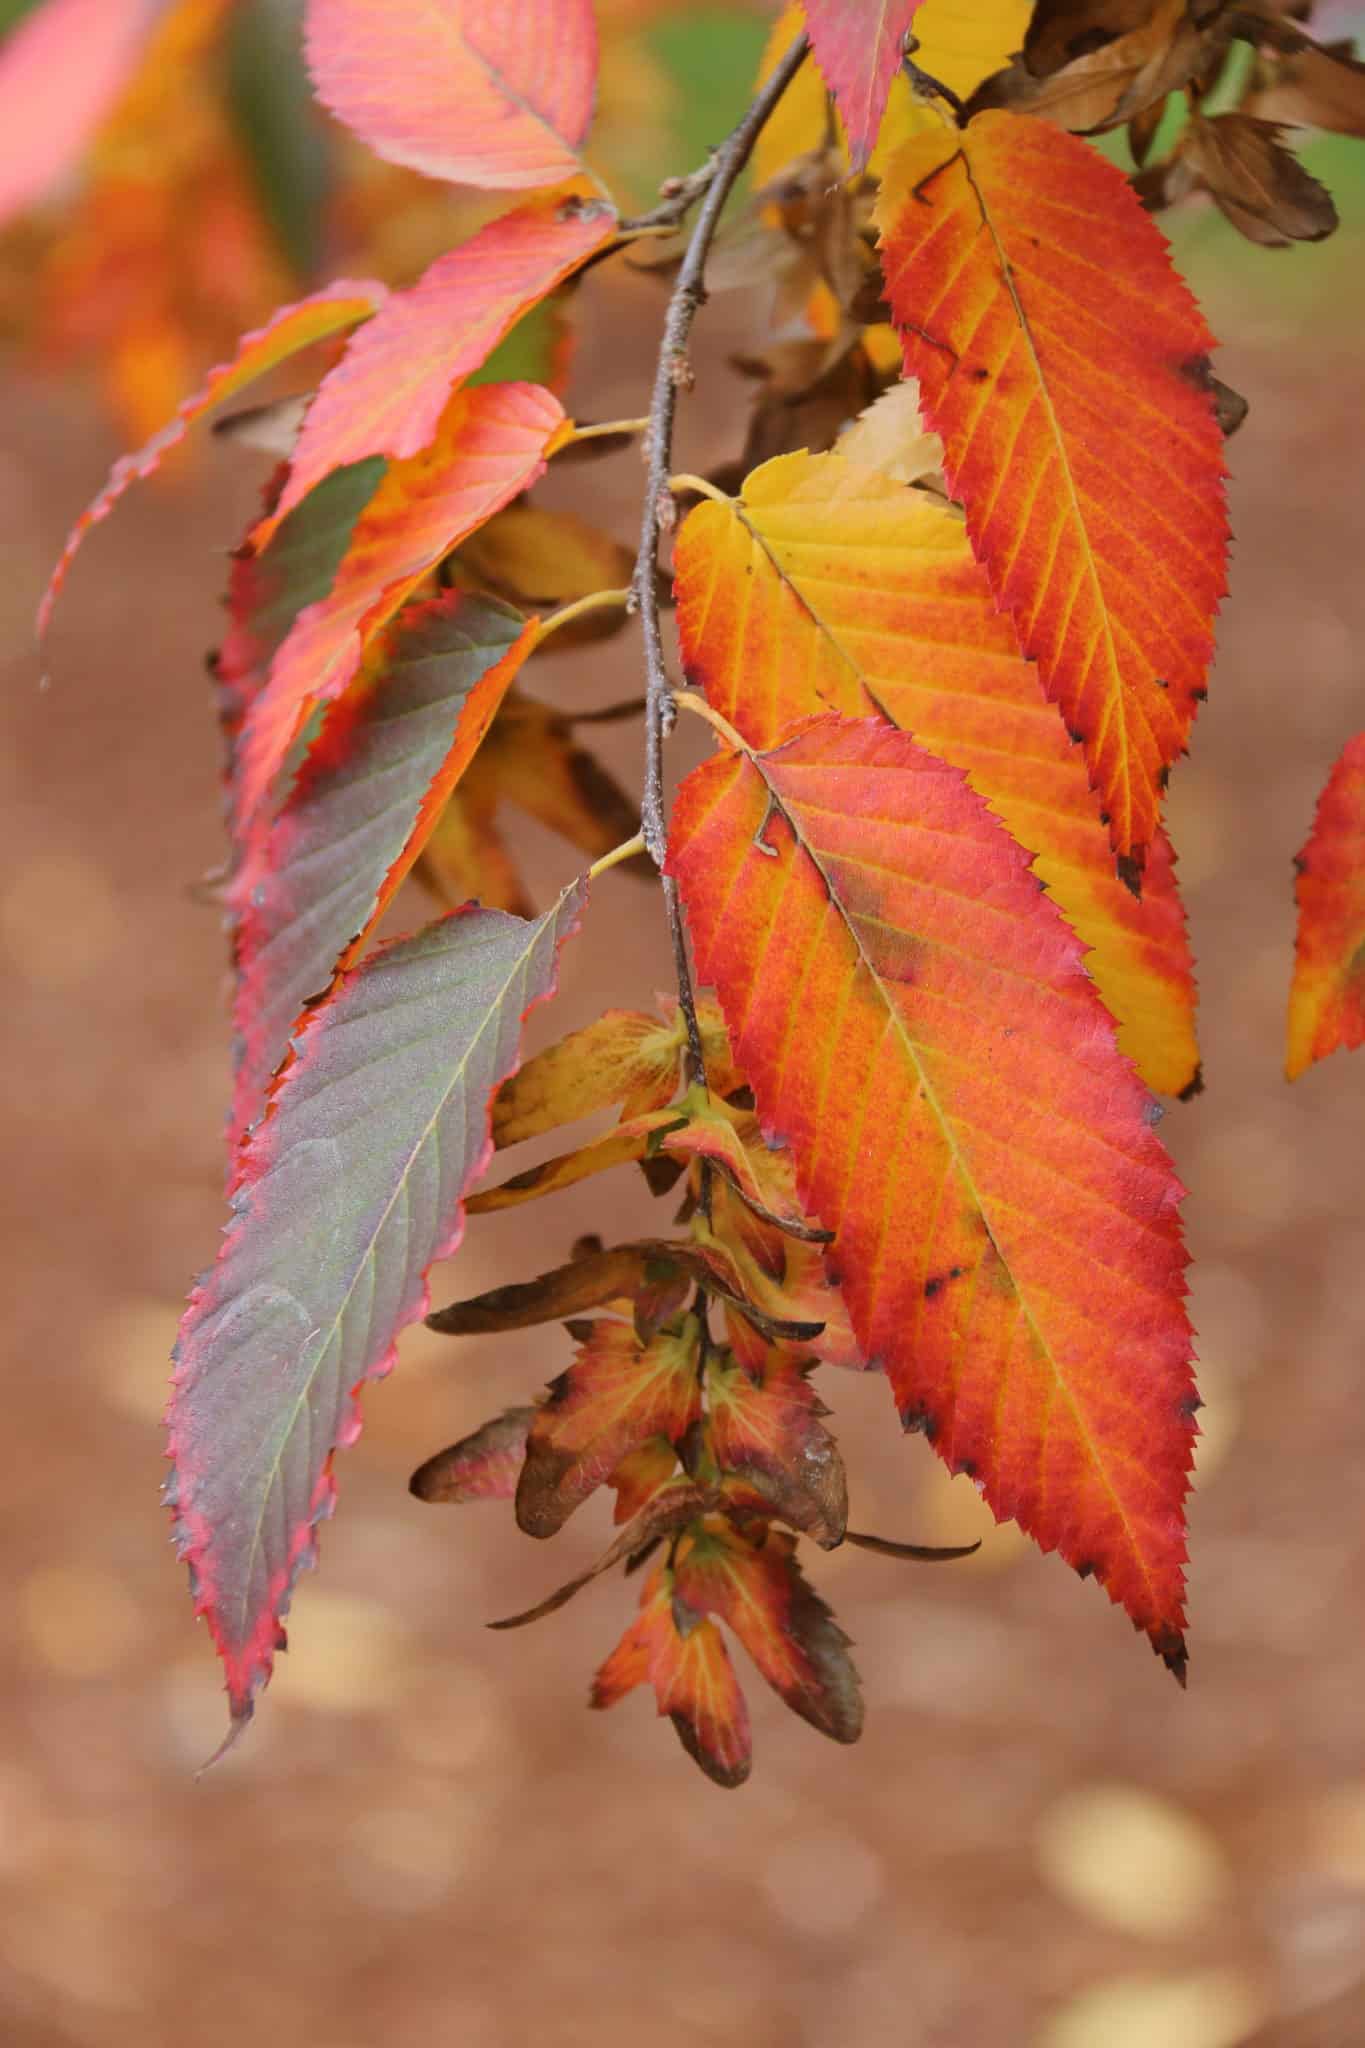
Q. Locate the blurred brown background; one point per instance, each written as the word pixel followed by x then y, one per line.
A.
pixel 425 1841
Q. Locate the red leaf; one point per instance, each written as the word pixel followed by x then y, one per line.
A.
pixel 1327 1000
pixel 765 1427
pixel 386 759
pixel 858 45
pixel 1007 1230
pixel 293 328
pixel 482 1466
pixel 387 394
pixel 61 70
pixel 349 1189
pixel 758 1590
pixel 492 443
pixel 1061 359
pixel 497 93
pixel 618 1393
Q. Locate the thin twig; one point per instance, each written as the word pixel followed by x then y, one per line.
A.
pixel 716 179
pixel 672 372
pixel 595 601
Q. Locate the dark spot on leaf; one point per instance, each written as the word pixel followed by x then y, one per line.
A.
pixel 1163 777
pixel 1075 735
pixel 1200 693
pixel 1169 1645
pixel 1086 1568
pixel 1129 872
pixel 1188 1405
pixel 917 1421
pixel 1194 1086
pixel 980 376
pixel 1300 864
pixel 1153 1113
pixel 966 1467
pixel 1161 682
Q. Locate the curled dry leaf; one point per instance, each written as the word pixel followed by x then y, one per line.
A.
pixel 482 1466
pixel 1109 78
pixel 1253 179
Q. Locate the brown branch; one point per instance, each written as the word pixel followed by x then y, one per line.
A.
pixel 716 179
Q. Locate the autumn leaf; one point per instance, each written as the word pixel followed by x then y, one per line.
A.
pixel 492 443
pixel 858 45
pixel 482 1466
pixel 617 1395
pixel 539 558
pixel 293 328
pixel 1058 353
pixel 494 93
pixel 61 70
pixel 348 1191
pixel 682 1655
pixel 385 760
pixel 957 45
pixel 765 1426
pixel 756 1587
pixel 620 1146
pixel 625 1056
pixel 826 585
pixel 640 1474
pixel 1007 1230
pixel 1327 999
pixel 533 760
pixel 1088 78
pixel 1254 181
pixel 387 394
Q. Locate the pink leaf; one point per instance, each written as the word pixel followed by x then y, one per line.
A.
pixel 496 93
pixel 387 394
pixel 293 328
pixel 61 70
pixel 858 46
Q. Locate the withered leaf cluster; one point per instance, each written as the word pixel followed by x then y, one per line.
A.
pixel 1096 65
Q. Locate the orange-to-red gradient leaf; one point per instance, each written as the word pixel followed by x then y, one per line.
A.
pixel 388 755
pixel 765 1426
pixel 293 328
pixel 348 1190
pixel 492 443
pixel 1007 1225
pixel 1327 998
pixel 496 93
pixel 1060 358
pixel 387 394
pixel 757 1589
pixel 618 1393
pixel 61 70
pixel 858 45
pixel 683 1656
pixel 826 585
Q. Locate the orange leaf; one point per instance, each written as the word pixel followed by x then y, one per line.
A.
pixel 495 93
pixel 1327 999
pixel 766 1428
pixel 1060 358
pixel 618 1393
pixel 682 1655
pixel 387 394
pixel 828 585
pixel 858 46
pixel 639 1476
pixel 758 1590
pixel 292 328
pixel 492 443
pixel 1007 1228
pixel 625 1056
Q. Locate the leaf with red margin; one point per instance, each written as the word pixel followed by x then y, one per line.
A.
pixel 348 1190
pixel 1327 998
pixel 827 586
pixel 1007 1224
pixel 494 93
pixel 682 1655
pixel 493 442
pixel 296 327
pixel 765 1427
pixel 1060 358
pixel 759 1591
pixel 387 757
pixel 858 45
pixel 387 394
pixel 61 70
pixel 616 1395
pixel 482 1466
